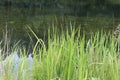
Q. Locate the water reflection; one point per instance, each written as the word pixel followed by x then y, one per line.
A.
pixel 16 19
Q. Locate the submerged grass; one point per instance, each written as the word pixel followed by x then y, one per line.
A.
pixel 71 57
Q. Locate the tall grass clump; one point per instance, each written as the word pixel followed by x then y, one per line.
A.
pixel 68 56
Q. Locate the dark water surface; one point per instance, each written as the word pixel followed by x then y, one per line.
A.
pixel 16 20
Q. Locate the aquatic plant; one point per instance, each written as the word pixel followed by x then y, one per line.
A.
pixel 69 56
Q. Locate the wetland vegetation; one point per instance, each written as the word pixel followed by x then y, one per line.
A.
pixel 59 40
pixel 67 57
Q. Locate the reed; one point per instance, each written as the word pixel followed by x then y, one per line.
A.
pixel 69 57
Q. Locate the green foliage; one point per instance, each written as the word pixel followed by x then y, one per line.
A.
pixel 71 57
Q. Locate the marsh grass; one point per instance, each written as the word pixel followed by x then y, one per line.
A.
pixel 70 57
pixel 73 58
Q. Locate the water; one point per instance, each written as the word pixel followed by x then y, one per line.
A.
pixel 16 19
